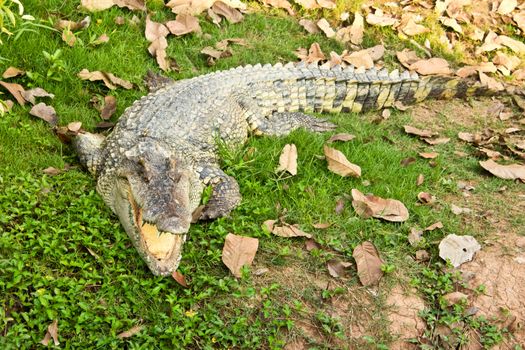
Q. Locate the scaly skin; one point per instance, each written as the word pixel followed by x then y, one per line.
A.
pixel 151 170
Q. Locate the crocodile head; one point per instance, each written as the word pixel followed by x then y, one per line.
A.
pixel 150 192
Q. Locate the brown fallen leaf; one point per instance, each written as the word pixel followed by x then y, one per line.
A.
pixel 437 140
pixel 104 125
pixel 6 106
pixel 72 25
pixel 109 79
pixel 310 245
pixel 30 95
pixel 519 18
pixel 51 171
pixel 231 14
pixel 184 24
pixel 458 249
pixel 458 210
pixel 491 83
pixel 429 155
pixel 96 5
pixel 74 127
pixel 368 263
pixel 343 137
pixel 314 54
pixel 507 172
pixel 44 112
pixel 132 5
pixel 326 28
pixel 68 37
pixel 357 29
pixel 308 4
pixel 337 163
pixel 130 332
pixel 15 90
pixel 52 332
pixel 337 268
pixel 418 132
pixel 155 30
pixel 12 72
pixel 381 19
pixel 420 179
pixel 238 251
pixel 179 278
pixel 309 26
pixel 328 4
pixel 431 66
pixel 513 44
pixel 339 206
pixel 411 28
pixel 434 226
pixel 415 236
pixel 284 4
pixel 102 39
pixel 377 207
pixel 321 225
pixel 288 160
pixel 422 255
pixel 426 198
pixel 451 23
pixel 287 230
pixel 360 58
pixel 110 107
pixel 407 161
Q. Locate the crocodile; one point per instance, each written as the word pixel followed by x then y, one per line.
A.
pixel 152 168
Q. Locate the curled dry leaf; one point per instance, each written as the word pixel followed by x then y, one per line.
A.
pixel 426 198
pixel 420 180
pixel 183 24
pixel 284 4
pixel 434 226
pixel 74 127
pixel 30 95
pixel 451 23
pixel 458 249
pixel 368 263
pixel 321 225
pixel 109 79
pixel 44 112
pixel 308 4
pixel 418 132
pixel 491 83
pixel 357 29
pixel 68 37
pixel 238 251
pixel 377 207
pixel 110 107
pixel 52 332
pixel 337 163
pixel 337 268
pixel 12 72
pixel 381 19
pixel 309 26
pixel 326 28
pixel 407 57
pixel 96 5
pixel 411 28
pixel 179 278
pixel 15 90
pixel 288 159
pixel 130 332
pixel 430 155
pixel 310 245
pixel 360 58
pixel 508 172
pixel 415 236
pixel 287 230
pixel 431 66
pixel 458 210
pixel 231 14
pixel 341 137
pixel 437 141
pixel 314 54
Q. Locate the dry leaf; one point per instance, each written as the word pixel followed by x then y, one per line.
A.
pixel 194 7
pixel 321 225
pixel 329 4
pixel 415 236
pixel 420 180
pixel 12 72
pixel 44 112
pixel 407 57
pixel 30 95
pixel 310 245
pixel 422 255
pixel 377 207
pixel 360 58
pixel 434 226
pixel 519 18
pixel 15 90
pixel 104 38
pixel 339 206
pixel 513 44
pixel 458 249
pixel 131 4
pixel 74 127
pixel 380 19
pixel 357 29
pixel 458 210
pixel 238 251
pixel 337 268
pixel 411 28
pixel 337 163
pixel 508 172
pixel 130 332
pixel 455 298
pixel 431 66
pixel 96 5
pixel 376 52
pixel 184 24
pixel 231 14
pixel 426 198
pixel 308 4
pixel 309 26
pixel 341 137
pixel 109 79
pixel 491 83
pixel 68 37
pixel 51 171
pixel 179 278
pixel 451 23
pixel 284 4
pixel 326 28
pixel 430 155
pixel 407 161
pixel 268 225
pixel 418 132
pixel 155 30
pixel 110 107
pixel 507 6
pixel 288 159
pixel 509 62
pixel 287 230
pixel 314 54
pixel 437 141
pixel 368 263
pixel 52 332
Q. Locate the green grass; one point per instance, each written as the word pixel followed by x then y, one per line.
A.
pixel 64 256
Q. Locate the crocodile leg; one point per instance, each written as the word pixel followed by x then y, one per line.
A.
pixel 225 196
pixel 279 124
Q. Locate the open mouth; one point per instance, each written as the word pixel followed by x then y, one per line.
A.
pixel 163 248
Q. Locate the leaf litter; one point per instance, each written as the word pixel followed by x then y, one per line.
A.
pixel 238 251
